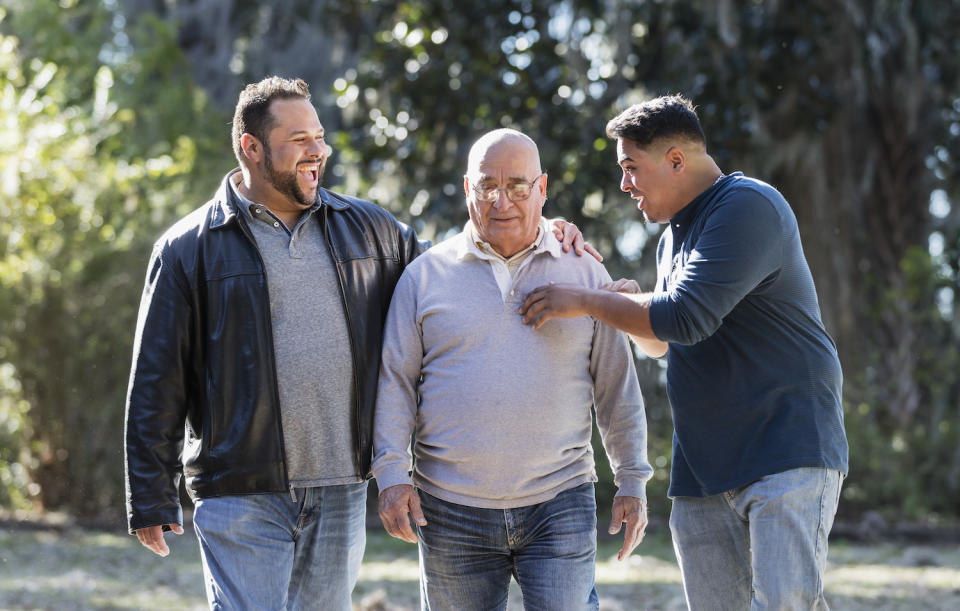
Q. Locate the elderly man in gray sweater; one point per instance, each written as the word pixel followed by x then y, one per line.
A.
pixel 502 481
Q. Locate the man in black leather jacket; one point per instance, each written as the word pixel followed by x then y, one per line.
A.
pixel 261 319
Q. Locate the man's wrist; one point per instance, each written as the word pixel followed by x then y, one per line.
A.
pixel 593 302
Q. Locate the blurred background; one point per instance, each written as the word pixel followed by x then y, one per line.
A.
pixel 115 120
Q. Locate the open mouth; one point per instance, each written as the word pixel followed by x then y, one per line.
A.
pixel 310 173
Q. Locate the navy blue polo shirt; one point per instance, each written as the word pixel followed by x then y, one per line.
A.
pixel 753 378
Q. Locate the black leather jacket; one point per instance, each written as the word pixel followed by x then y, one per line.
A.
pixel 203 397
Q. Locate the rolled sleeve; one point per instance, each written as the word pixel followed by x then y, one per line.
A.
pixel 738 250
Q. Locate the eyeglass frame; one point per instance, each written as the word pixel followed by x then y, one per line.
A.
pixel 496 190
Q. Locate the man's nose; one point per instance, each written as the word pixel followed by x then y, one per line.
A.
pixel 318 148
pixel 625 184
pixel 502 200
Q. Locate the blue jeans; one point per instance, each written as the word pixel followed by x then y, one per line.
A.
pixel 468 554
pixel 761 546
pixel 267 551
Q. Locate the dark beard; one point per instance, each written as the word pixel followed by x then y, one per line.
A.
pixel 286 182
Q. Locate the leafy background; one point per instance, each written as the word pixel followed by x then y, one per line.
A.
pixel 115 117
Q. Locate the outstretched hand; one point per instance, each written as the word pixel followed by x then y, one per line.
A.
pixel 631 512
pixel 553 301
pixel 152 538
pixel 394 504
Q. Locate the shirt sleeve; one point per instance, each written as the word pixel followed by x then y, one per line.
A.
pixel 739 249
pixel 620 413
pixel 400 370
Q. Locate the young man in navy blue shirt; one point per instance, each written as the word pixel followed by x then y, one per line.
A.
pixel 753 378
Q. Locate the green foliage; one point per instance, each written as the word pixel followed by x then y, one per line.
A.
pixel 437 75
pixel 851 109
pixel 908 464
pixel 97 155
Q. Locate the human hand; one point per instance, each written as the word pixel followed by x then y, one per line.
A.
pixel 631 511
pixel 394 504
pixel 623 285
pixel 553 301
pixel 151 537
pixel 570 235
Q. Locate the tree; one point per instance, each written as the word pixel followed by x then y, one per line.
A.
pixel 96 153
pixel 115 121
pixel 850 110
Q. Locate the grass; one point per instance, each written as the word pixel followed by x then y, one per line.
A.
pixel 74 569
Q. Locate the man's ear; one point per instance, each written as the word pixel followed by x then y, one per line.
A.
pixel 252 147
pixel 676 158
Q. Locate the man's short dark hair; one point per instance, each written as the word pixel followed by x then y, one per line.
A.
pixel 252 115
pixel 669 116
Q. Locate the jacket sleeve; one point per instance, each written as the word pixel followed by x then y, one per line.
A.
pixel 156 396
pixel 411 246
pixel 397 395
pixel 740 247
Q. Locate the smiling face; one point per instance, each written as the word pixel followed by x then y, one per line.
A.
pixel 295 153
pixel 497 160
pixel 649 176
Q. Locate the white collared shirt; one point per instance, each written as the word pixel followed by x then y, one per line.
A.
pixel 505 269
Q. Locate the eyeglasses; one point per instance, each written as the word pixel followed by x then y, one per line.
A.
pixel 515 191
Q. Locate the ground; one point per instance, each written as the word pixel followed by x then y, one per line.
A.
pixel 69 568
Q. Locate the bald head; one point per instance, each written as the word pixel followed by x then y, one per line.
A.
pixel 494 146
pixel 505 164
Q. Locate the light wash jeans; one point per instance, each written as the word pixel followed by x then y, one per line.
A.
pixel 468 554
pixel 761 546
pixel 267 551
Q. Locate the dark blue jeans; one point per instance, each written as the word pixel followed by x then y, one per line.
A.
pixel 468 554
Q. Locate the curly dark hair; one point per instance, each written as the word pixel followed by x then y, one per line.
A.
pixel 663 117
pixel 252 115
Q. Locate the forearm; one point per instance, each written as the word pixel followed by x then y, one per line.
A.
pixel 629 312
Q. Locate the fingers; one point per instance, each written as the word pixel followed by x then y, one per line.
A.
pixel 401 529
pixel 616 520
pixel 578 243
pixel 631 512
pixel 623 285
pixel 528 301
pixel 537 314
pixel 587 246
pixel 631 538
pixel 394 505
pixel 570 237
pixel 416 512
pixel 152 538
